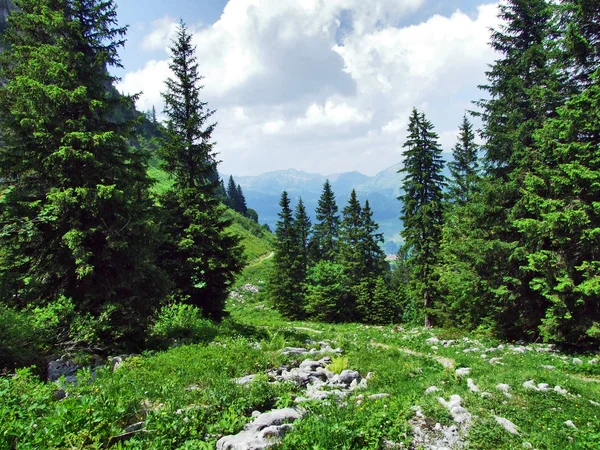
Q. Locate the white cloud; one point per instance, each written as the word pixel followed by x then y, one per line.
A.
pixel 163 31
pixel 326 85
pixel 273 127
pixel 333 114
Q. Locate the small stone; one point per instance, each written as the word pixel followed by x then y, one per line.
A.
pixel 378 396
pixel 560 390
pixel 577 361
pixel 507 425
pixel 245 380
pixel 472 386
pixel 432 340
pixel 134 427
pixel 548 367
pixel 463 371
pixel 530 384
pixel 543 387
pixel 431 389
pixel 570 424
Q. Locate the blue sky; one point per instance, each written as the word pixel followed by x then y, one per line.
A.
pixel 324 86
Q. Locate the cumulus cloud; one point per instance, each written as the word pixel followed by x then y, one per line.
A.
pixel 163 30
pixel 327 85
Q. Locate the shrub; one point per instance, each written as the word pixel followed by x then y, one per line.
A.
pixel 180 323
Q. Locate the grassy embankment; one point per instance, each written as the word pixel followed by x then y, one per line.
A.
pixel 186 398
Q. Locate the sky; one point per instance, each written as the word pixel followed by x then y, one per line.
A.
pixel 324 86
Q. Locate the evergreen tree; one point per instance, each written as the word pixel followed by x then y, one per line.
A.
pixel 286 282
pixel 201 256
pixel 464 167
pixel 75 210
pixel 302 230
pixel 351 233
pixel 525 86
pixel 241 200
pixel 232 194
pixel 324 243
pixel 562 221
pixel 373 255
pixel 422 207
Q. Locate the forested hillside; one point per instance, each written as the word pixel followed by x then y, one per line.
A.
pixel 119 237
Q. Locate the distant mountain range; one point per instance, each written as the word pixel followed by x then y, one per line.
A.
pixel 263 192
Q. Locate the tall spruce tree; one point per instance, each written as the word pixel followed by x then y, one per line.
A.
pixel 232 194
pixel 324 243
pixel 286 282
pixel 200 255
pixel 422 205
pixel 75 210
pixel 242 206
pixel 525 86
pixel 465 165
pixel 302 227
pixel 351 232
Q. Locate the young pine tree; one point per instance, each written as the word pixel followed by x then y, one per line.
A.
pixel 324 243
pixel 200 255
pixel 465 166
pixel 243 207
pixel 286 282
pixel 75 210
pixel 422 206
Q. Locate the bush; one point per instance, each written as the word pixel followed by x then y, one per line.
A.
pixel 180 323
pixel 19 340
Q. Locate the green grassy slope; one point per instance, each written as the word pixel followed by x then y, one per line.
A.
pixel 257 242
pixel 186 398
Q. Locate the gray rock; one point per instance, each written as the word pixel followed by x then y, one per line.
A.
pixel 570 424
pixel 263 432
pixel 378 396
pixel 62 367
pixel 507 425
pixel 577 361
pixel 463 371
pixel 347 376
pixel 245 380
pixel 134 427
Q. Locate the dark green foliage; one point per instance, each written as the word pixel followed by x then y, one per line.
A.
pixel 465 167
pixel 75 208
pixel 350 255
pixel 286 283
pixel 422 210
pixel 302 229
pixel 243 208
pixel 329 295
pixel 324 243
pixel 564 219
pixel 199 254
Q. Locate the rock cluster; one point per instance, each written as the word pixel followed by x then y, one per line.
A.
pixel 263 432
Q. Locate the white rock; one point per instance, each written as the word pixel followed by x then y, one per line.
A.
pixel 570 424
pixel 472 386
pixel 560 390
pixel 431 389
pixel 594 403
pixel 507 425
pixel 495 361
pixel 577 361
pixel 549 367
pixel 432 340
pixel 543 387
pixel 463 371
pixel 503 387
pixel 530 384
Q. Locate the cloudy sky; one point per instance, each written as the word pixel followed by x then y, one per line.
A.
pixel 324 86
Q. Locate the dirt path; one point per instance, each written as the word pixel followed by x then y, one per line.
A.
pixel 261 259
pixel 310 330
pixel 446 362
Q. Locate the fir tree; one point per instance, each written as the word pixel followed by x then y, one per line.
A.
pixel 286 282
pixel 241 201
pixel 201 256
pixel 324 243
pixel 232 194
pixel 422 207
pixel 302 230
pixel 351 233
pixel 76 214
pixel 464 167
pixel 373 255
pixel 562 221
pixel 525 86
